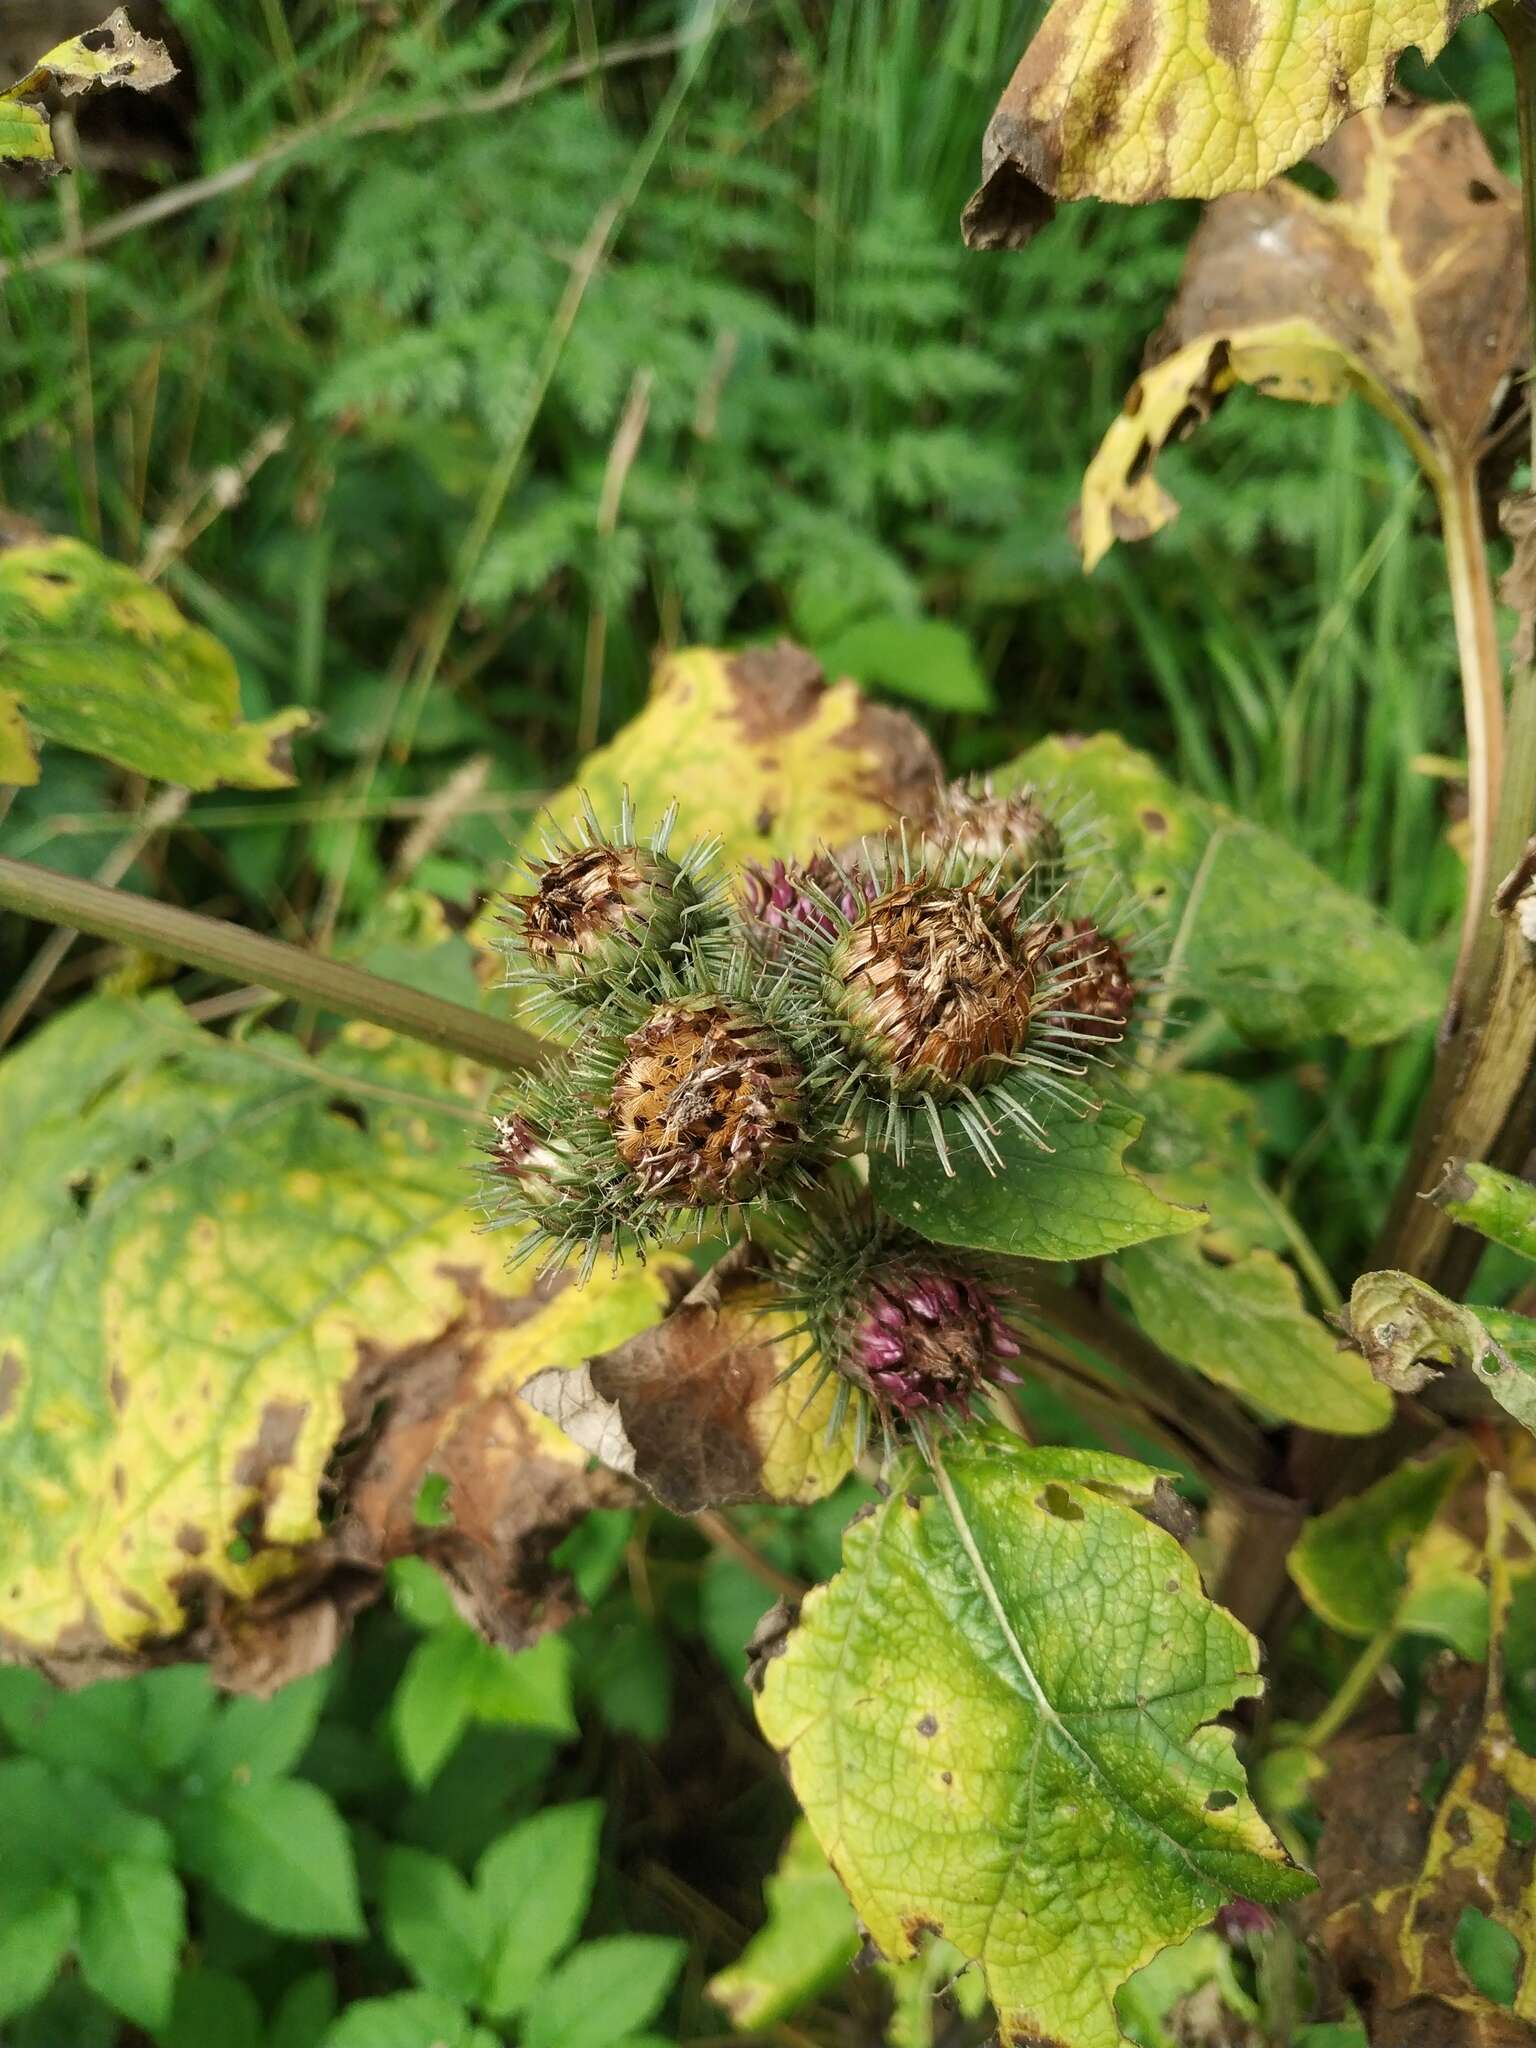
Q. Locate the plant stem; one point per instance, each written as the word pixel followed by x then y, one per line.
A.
pixel 1482 690
pixel 224 949
pixel 1358 1682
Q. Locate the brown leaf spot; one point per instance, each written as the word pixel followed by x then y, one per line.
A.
pixel 928 1725
pixel 10 1381
pixel 776 688
pixel 914 1926
pixel 191 1540
pixel 1152 819
pixel 1232 29
pixel 276 1438
pixel 117 1389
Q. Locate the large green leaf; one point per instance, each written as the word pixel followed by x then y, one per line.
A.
pixel 1286 954
pixel 1245 1326
pixel 95 658
pixel 1000 1720
pixel 1133 100
pixel 1076 1201
pixel 111 54
pixel 206 1251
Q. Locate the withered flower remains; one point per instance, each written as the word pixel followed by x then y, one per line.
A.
pixel 707 1105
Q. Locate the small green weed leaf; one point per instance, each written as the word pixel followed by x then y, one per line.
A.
pixel 133 1921
pixel 1000 1720
pixel 759 752
pixel 1410 1336
pixel 1351 1564
pixel 454 1677
pixel 411 2019
pixel 1244 1325
pixel 1495 1204
pixel 66 1823
pixel 929 660
pixel 212 2007
pixel 114 53
pixel 1283 952
pixel 594 1550
pixel 1077 1201
pixel 1490 1956
pixel 623 1669
pixel 419 1593
pixel 602 1991
pixel 254 1739
pixel 279 1851
pixel 203 1247
pixel 535 1883
pixel 806 1942
pixel 434 1923
pixel 163 696
pixel 37 1931
pixel 304 2012
pixel 1136 101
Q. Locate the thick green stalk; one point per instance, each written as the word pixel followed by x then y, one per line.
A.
pixel 224 949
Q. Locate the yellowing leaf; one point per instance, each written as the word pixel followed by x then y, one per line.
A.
pixel 761 753
pixel 1132 100
pixel 1407 286
pixel 1000 1718
pixel 95 658
pixel 215 1263
pixel 112 54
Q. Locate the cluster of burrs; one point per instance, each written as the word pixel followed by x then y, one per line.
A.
pixel 728 1047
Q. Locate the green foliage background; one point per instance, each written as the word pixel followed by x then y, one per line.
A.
pixel 347 408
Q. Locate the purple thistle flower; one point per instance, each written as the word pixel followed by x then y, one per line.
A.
pixel 777 897
pixel 927 1339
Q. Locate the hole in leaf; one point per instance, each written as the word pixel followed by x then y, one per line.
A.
pixel 1522 1824
pixel 1220 1800
pixel 82 1192
pixel 349 1111
pixel 1489 1955
pixel 1481 194
pixel 1058 1502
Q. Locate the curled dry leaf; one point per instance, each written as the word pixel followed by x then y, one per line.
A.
pixel 1407 286
pixel 696 1407
pixel 1135 100
pixel 114 53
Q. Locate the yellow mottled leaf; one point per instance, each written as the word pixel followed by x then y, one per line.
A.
pixel 1132 100
pixel 93 657
pixel 216 1262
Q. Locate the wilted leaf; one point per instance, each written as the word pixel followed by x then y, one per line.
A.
pixel 1359 1565
pixel 95 658
pixel 695 1408
pixel 1495 1204
pixel 1136 100
pixel 1285 953
pixel 1401 1867
pixel 112 54
pixel 761 753
pixel 214 1268
pixel 805 1944
pixel 1407 286
pixel 1410 1336
pixel 999 1718
pixel 1077 1201
pixel 1245 1326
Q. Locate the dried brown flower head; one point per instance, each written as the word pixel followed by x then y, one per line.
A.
pixel 595 905
pixel 934 983
pixel 1013 830
pixel 706 1106
pixel 1092 982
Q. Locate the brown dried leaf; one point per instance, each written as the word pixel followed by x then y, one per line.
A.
pixel 695 1408
pixel 1407 286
